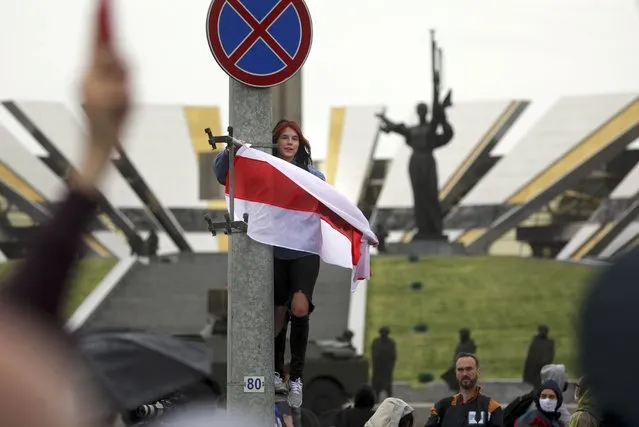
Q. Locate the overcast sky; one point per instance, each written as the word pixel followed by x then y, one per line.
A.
pixel 364 52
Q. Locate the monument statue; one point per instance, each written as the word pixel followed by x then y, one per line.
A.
pixel 424 138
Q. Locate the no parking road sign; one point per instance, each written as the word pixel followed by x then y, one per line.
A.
pixel 260 43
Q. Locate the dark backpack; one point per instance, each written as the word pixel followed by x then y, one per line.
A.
pixel 517 408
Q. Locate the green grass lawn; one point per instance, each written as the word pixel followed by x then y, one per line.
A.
pixel 501 299
pixel 89 275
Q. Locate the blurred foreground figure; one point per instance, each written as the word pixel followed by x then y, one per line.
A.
pixel 607 329
pixel 36 361
pixel 35 389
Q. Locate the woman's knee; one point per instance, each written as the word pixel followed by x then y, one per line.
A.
pixel 299 305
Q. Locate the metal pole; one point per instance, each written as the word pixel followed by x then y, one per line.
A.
pixel 250 366
pixel 231 178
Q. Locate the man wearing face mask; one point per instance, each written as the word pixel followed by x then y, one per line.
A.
pixel 541 352
pixel 469 406
pixel 548 401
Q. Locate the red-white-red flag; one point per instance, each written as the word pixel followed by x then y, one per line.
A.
pixel 291 208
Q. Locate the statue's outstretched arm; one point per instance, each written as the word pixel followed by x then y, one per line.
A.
pixel 390 127
pixel 399 128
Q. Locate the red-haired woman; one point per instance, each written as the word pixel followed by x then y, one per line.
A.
pixel 295 271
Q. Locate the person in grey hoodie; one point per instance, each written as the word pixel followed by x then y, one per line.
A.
pixel 557 373
pixel 392 412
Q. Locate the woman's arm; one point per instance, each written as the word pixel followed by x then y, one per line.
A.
pixel 40 284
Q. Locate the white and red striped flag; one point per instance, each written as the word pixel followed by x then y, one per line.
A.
pixel 291 208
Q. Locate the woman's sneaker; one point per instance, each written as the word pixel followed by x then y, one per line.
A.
pixel 295 393
pixel 280 386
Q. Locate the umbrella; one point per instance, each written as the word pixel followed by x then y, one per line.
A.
pixel 136 368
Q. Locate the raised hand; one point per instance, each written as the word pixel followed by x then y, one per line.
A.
pixel 105 95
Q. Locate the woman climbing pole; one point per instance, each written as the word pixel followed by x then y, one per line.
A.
pixel 295 272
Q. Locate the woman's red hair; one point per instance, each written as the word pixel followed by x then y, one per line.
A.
pixel 303 156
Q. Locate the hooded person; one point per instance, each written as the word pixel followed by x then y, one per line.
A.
pixel 541 352
pixel 526 403
pixel 586 414
pixel 548 401
pixel 392 412
pixel 556 373
pixel 361 411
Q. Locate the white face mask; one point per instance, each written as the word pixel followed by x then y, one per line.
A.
pixel 548 405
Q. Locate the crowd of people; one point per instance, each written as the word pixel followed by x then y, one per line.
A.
pixel 541 407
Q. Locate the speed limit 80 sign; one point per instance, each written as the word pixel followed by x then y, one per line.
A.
pixel 253 384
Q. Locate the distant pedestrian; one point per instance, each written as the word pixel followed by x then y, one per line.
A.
pixel 382 234
pixel 384 354
pixel 152 244
pixel 465 345
pixel 541 352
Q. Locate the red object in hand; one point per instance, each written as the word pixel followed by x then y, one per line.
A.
pixel 104 22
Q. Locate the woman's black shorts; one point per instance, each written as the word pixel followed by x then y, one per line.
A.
pixel 293 275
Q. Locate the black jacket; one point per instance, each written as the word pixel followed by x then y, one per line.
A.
pixel 480 410
pixel 353 417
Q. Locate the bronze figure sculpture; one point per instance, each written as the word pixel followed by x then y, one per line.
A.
pixel 424 138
